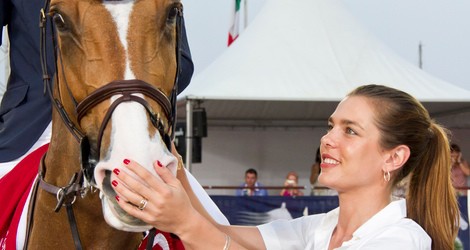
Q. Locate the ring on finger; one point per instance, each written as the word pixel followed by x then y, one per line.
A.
pixel 142 204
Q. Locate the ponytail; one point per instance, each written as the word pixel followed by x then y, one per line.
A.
pixel 436 210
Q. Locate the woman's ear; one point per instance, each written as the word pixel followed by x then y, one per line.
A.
pixel 397 157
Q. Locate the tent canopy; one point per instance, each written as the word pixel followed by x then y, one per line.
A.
pixel 297 59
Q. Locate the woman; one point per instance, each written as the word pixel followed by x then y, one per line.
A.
pixel 291 185
pixel 377 136
pixel 459 169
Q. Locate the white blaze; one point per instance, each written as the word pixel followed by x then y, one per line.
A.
pixel 121 11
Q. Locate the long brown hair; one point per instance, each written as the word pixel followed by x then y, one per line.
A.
pixel 431 200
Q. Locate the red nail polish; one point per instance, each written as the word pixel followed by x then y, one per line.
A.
pixel 126 161
pixel 159 164
pixel 117 198
pixel 114 183
pixel 116 171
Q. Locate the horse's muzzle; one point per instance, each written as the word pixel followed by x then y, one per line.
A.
pixel 114 215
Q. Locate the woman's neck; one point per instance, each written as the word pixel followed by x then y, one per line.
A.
pixel 354 212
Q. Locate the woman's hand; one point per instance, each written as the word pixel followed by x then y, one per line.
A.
pixel 168 207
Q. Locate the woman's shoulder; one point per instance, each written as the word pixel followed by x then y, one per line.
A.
pixel 410 226
pixel 404 233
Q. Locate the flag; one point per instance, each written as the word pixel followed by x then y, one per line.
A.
pixel 233 32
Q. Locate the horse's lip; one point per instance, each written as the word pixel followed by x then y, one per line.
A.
pixel 123 216
pixel 110 195
pixel 117 222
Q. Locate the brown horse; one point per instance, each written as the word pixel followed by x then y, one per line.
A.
pixel 116 70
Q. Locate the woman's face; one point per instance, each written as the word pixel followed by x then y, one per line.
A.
pixel 351 156
pixel 454 155
pixel 292 179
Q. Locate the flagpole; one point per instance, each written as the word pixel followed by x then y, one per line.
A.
pixel 246 14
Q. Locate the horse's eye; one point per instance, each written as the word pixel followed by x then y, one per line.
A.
pixel 174 11
pixel 59 22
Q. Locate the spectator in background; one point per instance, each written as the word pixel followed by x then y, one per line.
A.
pixel 251 186
pixel 316 187
pixel 291 184
pixel 315 171
pixel 459 169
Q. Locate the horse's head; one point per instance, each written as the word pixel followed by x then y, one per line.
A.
pixel 116 71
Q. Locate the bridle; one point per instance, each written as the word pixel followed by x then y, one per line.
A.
pixel 127 88
pixel 81 182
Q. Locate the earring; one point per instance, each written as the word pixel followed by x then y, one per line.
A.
pixel 387 176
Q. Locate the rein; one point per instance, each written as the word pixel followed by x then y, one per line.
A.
pixel 81 182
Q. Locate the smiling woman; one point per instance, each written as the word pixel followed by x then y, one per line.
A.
pixel 384 132
pixel 377 136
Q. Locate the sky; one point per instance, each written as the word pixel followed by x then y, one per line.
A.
pixel 442 27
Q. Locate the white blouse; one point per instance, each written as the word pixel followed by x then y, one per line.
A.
pixel 388 229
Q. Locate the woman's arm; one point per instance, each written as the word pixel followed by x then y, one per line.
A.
pixel 464 166
pixel 248 237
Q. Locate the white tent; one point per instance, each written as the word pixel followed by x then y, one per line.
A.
pixel 296 60
pixel 308 51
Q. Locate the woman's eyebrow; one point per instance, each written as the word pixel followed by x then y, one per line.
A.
pixel 350 122
pixel 346 122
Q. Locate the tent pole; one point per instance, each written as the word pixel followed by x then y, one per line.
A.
pixel 189 134
pixel 420 55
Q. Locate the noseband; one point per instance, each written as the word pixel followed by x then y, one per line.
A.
pixel 127 89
